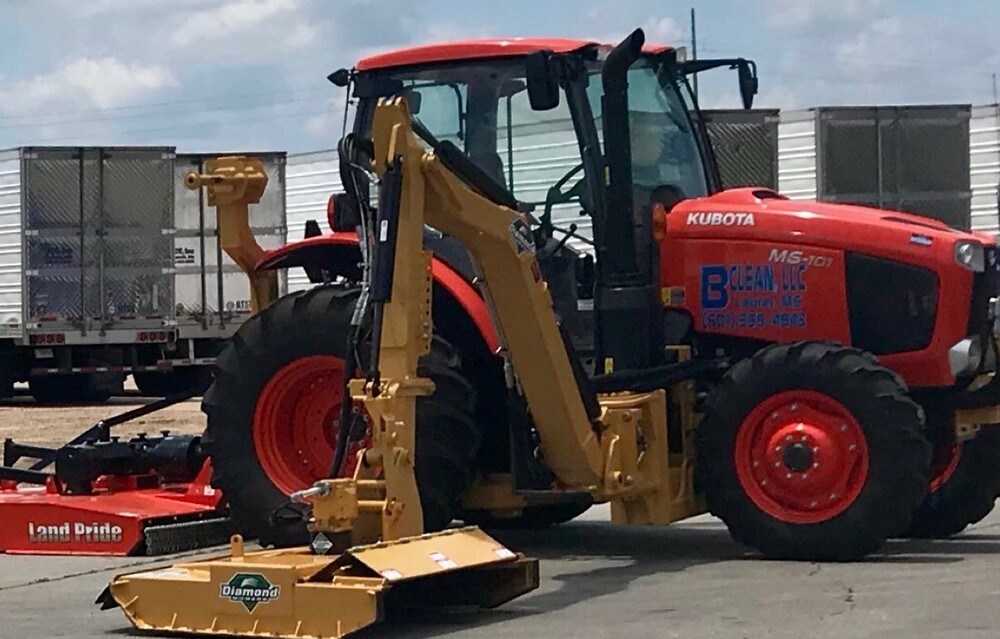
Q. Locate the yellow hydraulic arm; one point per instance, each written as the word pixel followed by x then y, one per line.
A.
pixel 367 531
pixel 234 183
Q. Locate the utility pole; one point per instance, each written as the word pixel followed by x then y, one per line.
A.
pixel 694 52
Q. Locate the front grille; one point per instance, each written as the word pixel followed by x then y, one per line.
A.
pixel 892 306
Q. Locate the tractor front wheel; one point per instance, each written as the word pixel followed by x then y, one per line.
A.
pixel 812 451
pixel 274 404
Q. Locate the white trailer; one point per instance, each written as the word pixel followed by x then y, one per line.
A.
pixel 109 267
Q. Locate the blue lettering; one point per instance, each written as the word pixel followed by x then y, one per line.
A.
pixel 714 280
pixel 793 277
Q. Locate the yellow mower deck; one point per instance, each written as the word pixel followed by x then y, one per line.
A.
pixel 295 593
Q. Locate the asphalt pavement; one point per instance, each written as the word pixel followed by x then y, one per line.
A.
pixel 687 580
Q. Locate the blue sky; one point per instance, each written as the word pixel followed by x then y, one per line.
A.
pixel 243 75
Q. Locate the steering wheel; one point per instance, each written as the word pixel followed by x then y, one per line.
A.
pixel 556 195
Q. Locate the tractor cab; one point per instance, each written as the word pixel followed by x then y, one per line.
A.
pixel 476 95
pixel 605 138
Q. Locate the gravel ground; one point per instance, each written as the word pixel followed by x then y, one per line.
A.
pixel 24 421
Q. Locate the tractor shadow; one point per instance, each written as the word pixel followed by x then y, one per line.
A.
pixel 585 560
pixel 579 561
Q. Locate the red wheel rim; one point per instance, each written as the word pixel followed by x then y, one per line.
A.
pixel 296 422
pixel 801 457
pixel 944 465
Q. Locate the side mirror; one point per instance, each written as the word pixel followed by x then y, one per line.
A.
pixel 413 99
pixel 543 80
pixel 747 73
pixel 340 77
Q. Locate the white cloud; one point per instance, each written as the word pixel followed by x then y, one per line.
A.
pixel 663 31
pixel 99 82
pixel 118 7
pixel 236 19
pixel 800 13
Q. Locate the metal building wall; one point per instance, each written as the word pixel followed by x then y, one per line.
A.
pixel 984 167
pixel 310 179
pixel 746 146
pixel 912 158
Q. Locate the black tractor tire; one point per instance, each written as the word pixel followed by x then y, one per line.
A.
pixel 875 413
pixel 966 495
pixel 305 324
pixel 74 388
pixel 173 382
pixel 531 518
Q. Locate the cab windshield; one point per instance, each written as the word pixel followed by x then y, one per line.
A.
pixel 484 109
pixel 667 160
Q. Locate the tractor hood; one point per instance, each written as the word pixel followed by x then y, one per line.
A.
pixel 763 215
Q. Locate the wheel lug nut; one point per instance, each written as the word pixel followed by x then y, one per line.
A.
pixel 756 463
pixel 788 475
pixel 815 449
pixel 788 438
pixel 800 427
pixel 813 504
pixel 794 407
pixel 852 447
pixel 777 449
pixel 815 464
pixel 777 464
pixel 833 496
pixel 805 475
pixel 843 427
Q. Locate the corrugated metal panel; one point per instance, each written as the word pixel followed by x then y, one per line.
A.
pixel 984 166
pixel 97 255
pixel 797 155
pixel 310 180
pixel 10 243
pixel 210 298
pixel 746 146
pixel 912 158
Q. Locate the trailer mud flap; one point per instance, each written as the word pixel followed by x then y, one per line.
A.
pixel 295 593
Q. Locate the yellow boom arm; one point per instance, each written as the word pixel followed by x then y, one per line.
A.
pixel 234 183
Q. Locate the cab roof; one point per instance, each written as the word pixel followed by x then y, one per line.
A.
pixel 479 49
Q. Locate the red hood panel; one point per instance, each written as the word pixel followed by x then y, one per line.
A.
pixel 763 215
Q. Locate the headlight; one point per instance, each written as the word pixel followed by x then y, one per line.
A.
pixel 971 255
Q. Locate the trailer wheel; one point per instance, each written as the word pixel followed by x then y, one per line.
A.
pixel 273 405
pixel 173 382
pixel 964 486
pixel 812 451
pixel 75 388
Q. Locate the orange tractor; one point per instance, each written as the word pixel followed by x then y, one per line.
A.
pixel 464 361
pixel 840 358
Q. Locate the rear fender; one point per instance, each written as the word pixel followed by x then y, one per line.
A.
pixel 338 254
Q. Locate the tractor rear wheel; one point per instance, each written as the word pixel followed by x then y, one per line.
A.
pixel 964 486
pixel 812 451
pixel 273 408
